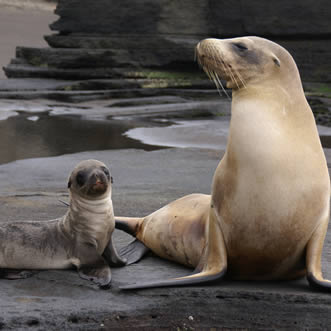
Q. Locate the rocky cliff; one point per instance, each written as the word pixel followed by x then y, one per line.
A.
pixel 108 38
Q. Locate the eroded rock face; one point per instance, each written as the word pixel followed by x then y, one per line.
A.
pixel 163 33
pixel 194 17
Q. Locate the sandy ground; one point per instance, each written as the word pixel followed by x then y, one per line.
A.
pixel 143 182
pixel 23 23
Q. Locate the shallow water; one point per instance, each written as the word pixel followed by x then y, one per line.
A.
pixel 40 135
pixel 210 133
pixel 32 135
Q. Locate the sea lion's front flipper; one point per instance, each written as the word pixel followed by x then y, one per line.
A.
pixel 133 252
pixel 112 257
pixel 212 266
pixel 13 274
pixel 313 258
pixel 99 274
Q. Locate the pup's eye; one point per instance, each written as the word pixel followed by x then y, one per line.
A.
pixel 80 178
pixel 106 171
pixel 240 46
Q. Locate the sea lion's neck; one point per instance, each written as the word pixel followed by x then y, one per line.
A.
pixel 92 220
pixel 79 204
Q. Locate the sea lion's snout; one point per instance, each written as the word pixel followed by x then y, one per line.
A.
pixel 98 183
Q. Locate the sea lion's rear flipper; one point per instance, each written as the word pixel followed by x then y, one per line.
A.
pixel 133 252
pixel 112 257
pixel 13 274
pixel 212 265
pixel 99 274
pixel 130 225
pixel 313 258
pixel 136 250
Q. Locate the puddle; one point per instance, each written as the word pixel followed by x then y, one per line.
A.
pixel 208 133
pixel 40 135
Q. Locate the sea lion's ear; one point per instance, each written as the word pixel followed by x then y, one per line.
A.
pixel 276 60
pixel 69 183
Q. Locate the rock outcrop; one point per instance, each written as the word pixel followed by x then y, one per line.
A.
pixel 108 38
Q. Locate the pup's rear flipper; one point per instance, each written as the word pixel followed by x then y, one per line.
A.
pixel 133 252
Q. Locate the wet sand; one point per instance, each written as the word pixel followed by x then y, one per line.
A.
pixel 143 182
pixel 23 25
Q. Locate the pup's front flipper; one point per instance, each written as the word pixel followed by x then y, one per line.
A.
pixel 98 274
pixel 16 274
pixel 133 252
pixel 112 257
pixel 91 265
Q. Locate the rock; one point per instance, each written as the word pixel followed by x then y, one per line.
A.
pixel 194 17
pixel 75 58
pixel 32 71
pixel 162 34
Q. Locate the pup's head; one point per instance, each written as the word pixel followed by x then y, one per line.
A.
pixel 90 179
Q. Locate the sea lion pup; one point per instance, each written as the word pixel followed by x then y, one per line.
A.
pixel 81 238
pixel 269 208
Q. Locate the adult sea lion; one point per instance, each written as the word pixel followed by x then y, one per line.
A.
pixel 269 208
pixel 81 238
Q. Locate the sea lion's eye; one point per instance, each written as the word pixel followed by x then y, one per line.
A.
pixel 80 178
pixel 240 46
pixel 106 171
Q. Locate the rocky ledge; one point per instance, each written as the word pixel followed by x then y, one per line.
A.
pixel 109 39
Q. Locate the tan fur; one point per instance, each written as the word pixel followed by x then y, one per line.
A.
pixel 270 194
pixel 176 231
pixel 271 190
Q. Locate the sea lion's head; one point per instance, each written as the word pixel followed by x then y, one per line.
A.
pixel 90 179
pixel 243 61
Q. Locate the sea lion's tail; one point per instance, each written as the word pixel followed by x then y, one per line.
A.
pixel 136 250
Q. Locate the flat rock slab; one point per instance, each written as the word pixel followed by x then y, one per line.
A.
pixel 143 182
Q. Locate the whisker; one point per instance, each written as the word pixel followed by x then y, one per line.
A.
pixel 216 83
pixel 210 72
pixel 219 61
pixel 220 83
pixel 232 76
pixel 240 78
